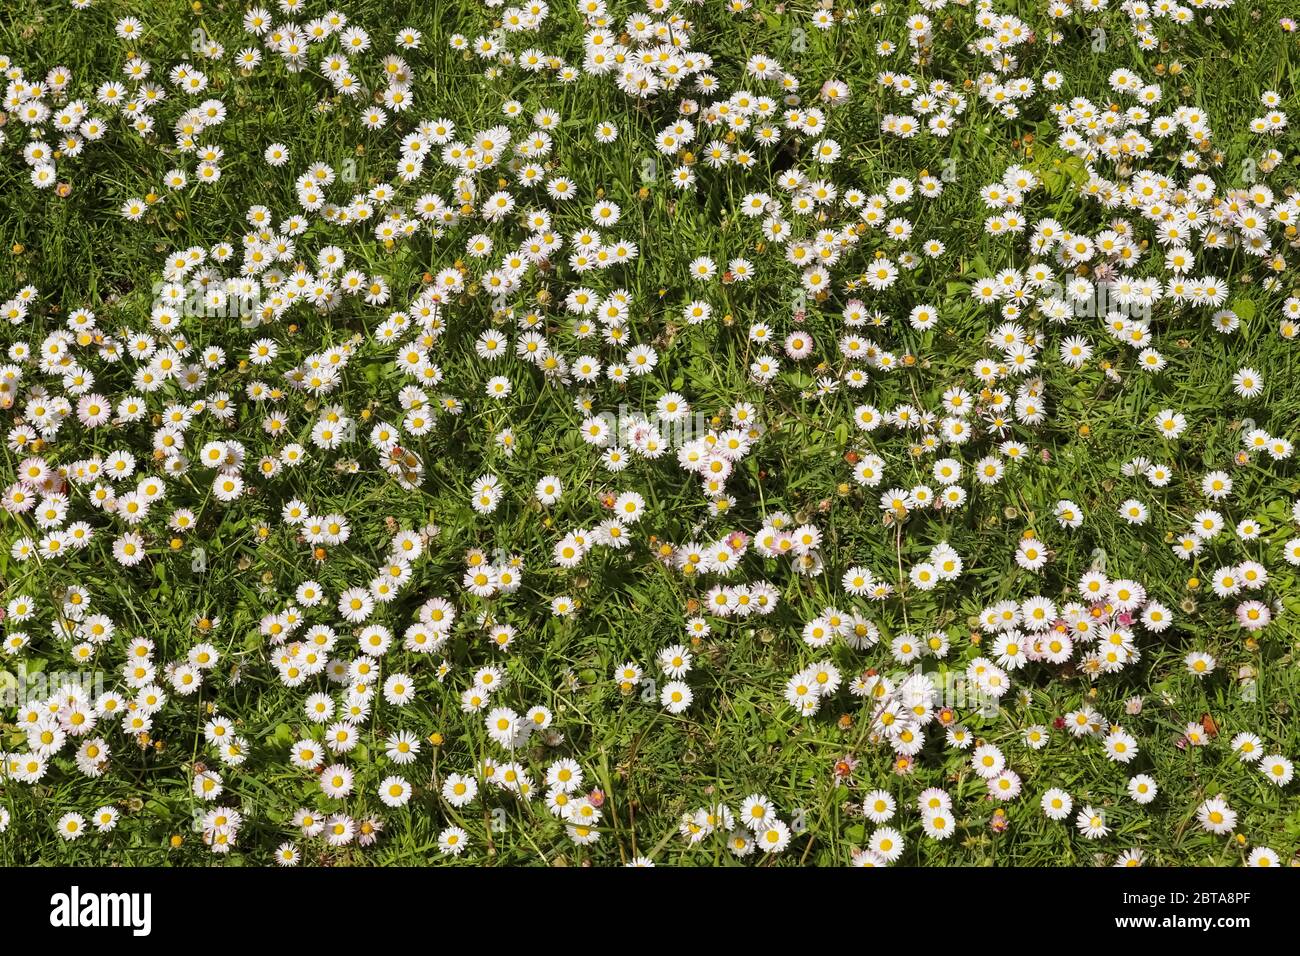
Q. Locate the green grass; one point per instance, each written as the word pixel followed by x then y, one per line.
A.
pixel 739 737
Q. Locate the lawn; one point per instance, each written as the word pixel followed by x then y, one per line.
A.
pixel 688 433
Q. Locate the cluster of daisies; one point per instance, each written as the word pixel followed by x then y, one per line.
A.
pixel 811 422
